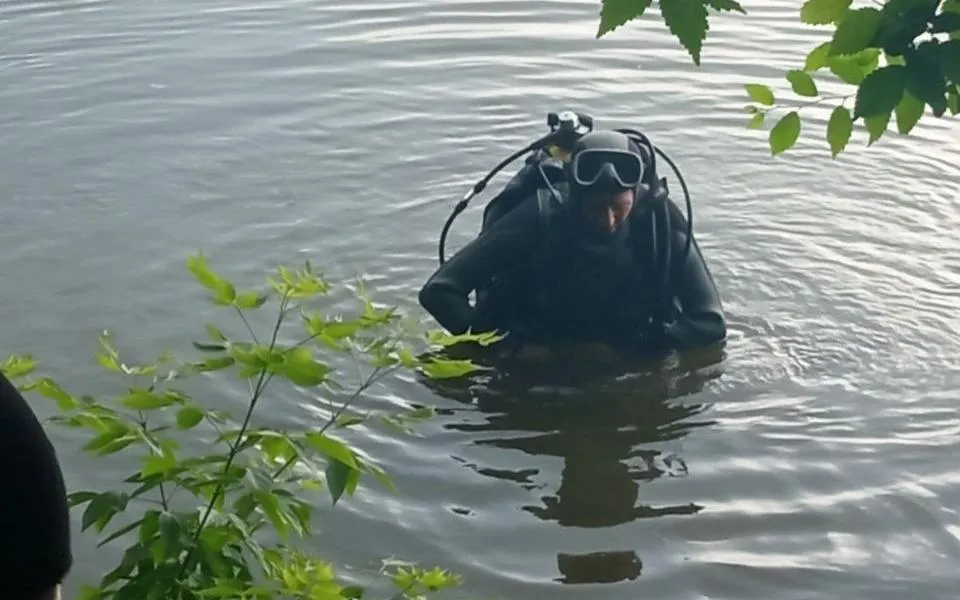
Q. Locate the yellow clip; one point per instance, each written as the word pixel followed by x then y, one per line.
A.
pixel 558 153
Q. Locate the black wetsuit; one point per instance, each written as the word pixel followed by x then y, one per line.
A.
pixel 547 284
pixel 35 552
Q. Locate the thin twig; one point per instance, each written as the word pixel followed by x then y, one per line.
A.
pixel 247 323
pixel 235 447
pixel 376 376
pixel 800 106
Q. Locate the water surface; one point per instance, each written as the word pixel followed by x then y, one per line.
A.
pixel 814 460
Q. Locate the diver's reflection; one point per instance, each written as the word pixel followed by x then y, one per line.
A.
pixel 603 429
pixel 599 567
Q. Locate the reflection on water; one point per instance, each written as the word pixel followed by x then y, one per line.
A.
pixel 606 431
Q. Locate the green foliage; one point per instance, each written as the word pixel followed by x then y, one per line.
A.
pixel 902 56
pixel 686 19
pixel 839 128
pixel 785 133
pixel 195 525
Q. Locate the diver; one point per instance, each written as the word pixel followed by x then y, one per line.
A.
pixel 578 257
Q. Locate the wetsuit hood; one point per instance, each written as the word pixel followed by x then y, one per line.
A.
pixel 606 179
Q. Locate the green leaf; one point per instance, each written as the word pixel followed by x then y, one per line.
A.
pixel 398 423
pixel 378 474
pixel 215 333
pixel 150 526
pixel 300 368
pixel 244 505
pixel 120 532
pixel 89 592
pixel 616 13
pixel 223 292
pixel 349 420
pixel 817 58
pixel 108 362
pixel 209 347
pixel 903 8
pixel 110 441
pixel 77 498
pixel 144 400
pixel 339 330
pixel 159 464
pixel 447 369
pixel 909 112
pixel 304 283
pixel 761 94
pixel 48 388
pixel 271 508
pixel 823 12
pixel 422 412
pixel 802 83
pixel 189 417
pixel 948 57
pixel 407 359
pixel 894 60
pixel 756 121
pixel 945 22
pixel 785 133
pixel 214 364
pixel 439 579
pixel 249 300
pixel 440 338
pixel 855 32
pixel 109 358
pixel 900 26
pixel 340 478
pixel 877 126
pixel 847 70
pixel 868 59
pixel 278 449
pixel 101 510
pixel 170 531
pixel 352 592
pixel 839 129
pixel 880 91
pixel 953 101
pixel 687 20
pixel 18 366
pixel 924 77
pixel 106 343
pixel 331 447
pixel 726 6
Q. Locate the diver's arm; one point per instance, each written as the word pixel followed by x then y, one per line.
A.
pixel 700 320
pixel 446 294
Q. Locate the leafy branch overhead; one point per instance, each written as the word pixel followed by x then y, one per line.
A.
pixel 902 56
pixel 686 19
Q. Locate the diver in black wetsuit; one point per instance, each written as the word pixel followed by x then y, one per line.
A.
pixel 575 260
pixel 35 554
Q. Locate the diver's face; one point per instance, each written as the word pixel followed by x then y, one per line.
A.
pixel 606 210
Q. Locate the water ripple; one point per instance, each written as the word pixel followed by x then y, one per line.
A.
pixel 815 465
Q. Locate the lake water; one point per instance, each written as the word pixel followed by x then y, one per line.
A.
pixel 817 460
